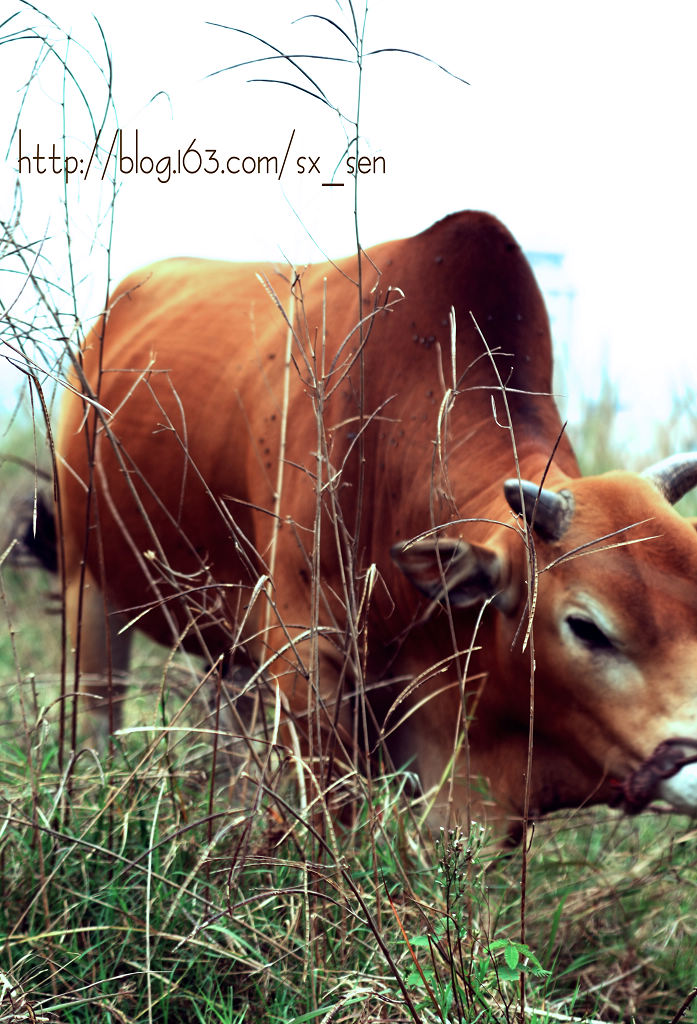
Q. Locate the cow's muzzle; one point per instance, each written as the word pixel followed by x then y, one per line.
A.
pixel 670 773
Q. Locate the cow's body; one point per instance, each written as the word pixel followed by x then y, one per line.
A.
pixel 193 374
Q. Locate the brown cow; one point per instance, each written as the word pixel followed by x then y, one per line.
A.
pixel 243 482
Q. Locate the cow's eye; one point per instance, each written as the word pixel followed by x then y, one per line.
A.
pixel 588 633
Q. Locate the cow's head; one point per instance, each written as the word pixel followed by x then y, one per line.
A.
pixel 610 570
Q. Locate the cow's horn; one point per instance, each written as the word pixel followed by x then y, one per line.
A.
pixel 674 476
pixel 552 510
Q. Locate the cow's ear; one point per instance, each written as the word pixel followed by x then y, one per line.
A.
pixel 468 573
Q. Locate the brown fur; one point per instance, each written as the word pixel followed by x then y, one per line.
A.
pixel 192 373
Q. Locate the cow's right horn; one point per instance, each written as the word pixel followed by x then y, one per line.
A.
pixel 547 512
pixel 674 476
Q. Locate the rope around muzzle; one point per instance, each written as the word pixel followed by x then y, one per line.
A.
pixel 639 789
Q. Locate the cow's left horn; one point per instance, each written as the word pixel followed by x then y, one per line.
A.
pixel 674 476
pixel 552 510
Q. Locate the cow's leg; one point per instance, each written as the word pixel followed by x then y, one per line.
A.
pixel 103 655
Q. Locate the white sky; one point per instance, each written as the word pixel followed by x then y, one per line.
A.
pixel 577 129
